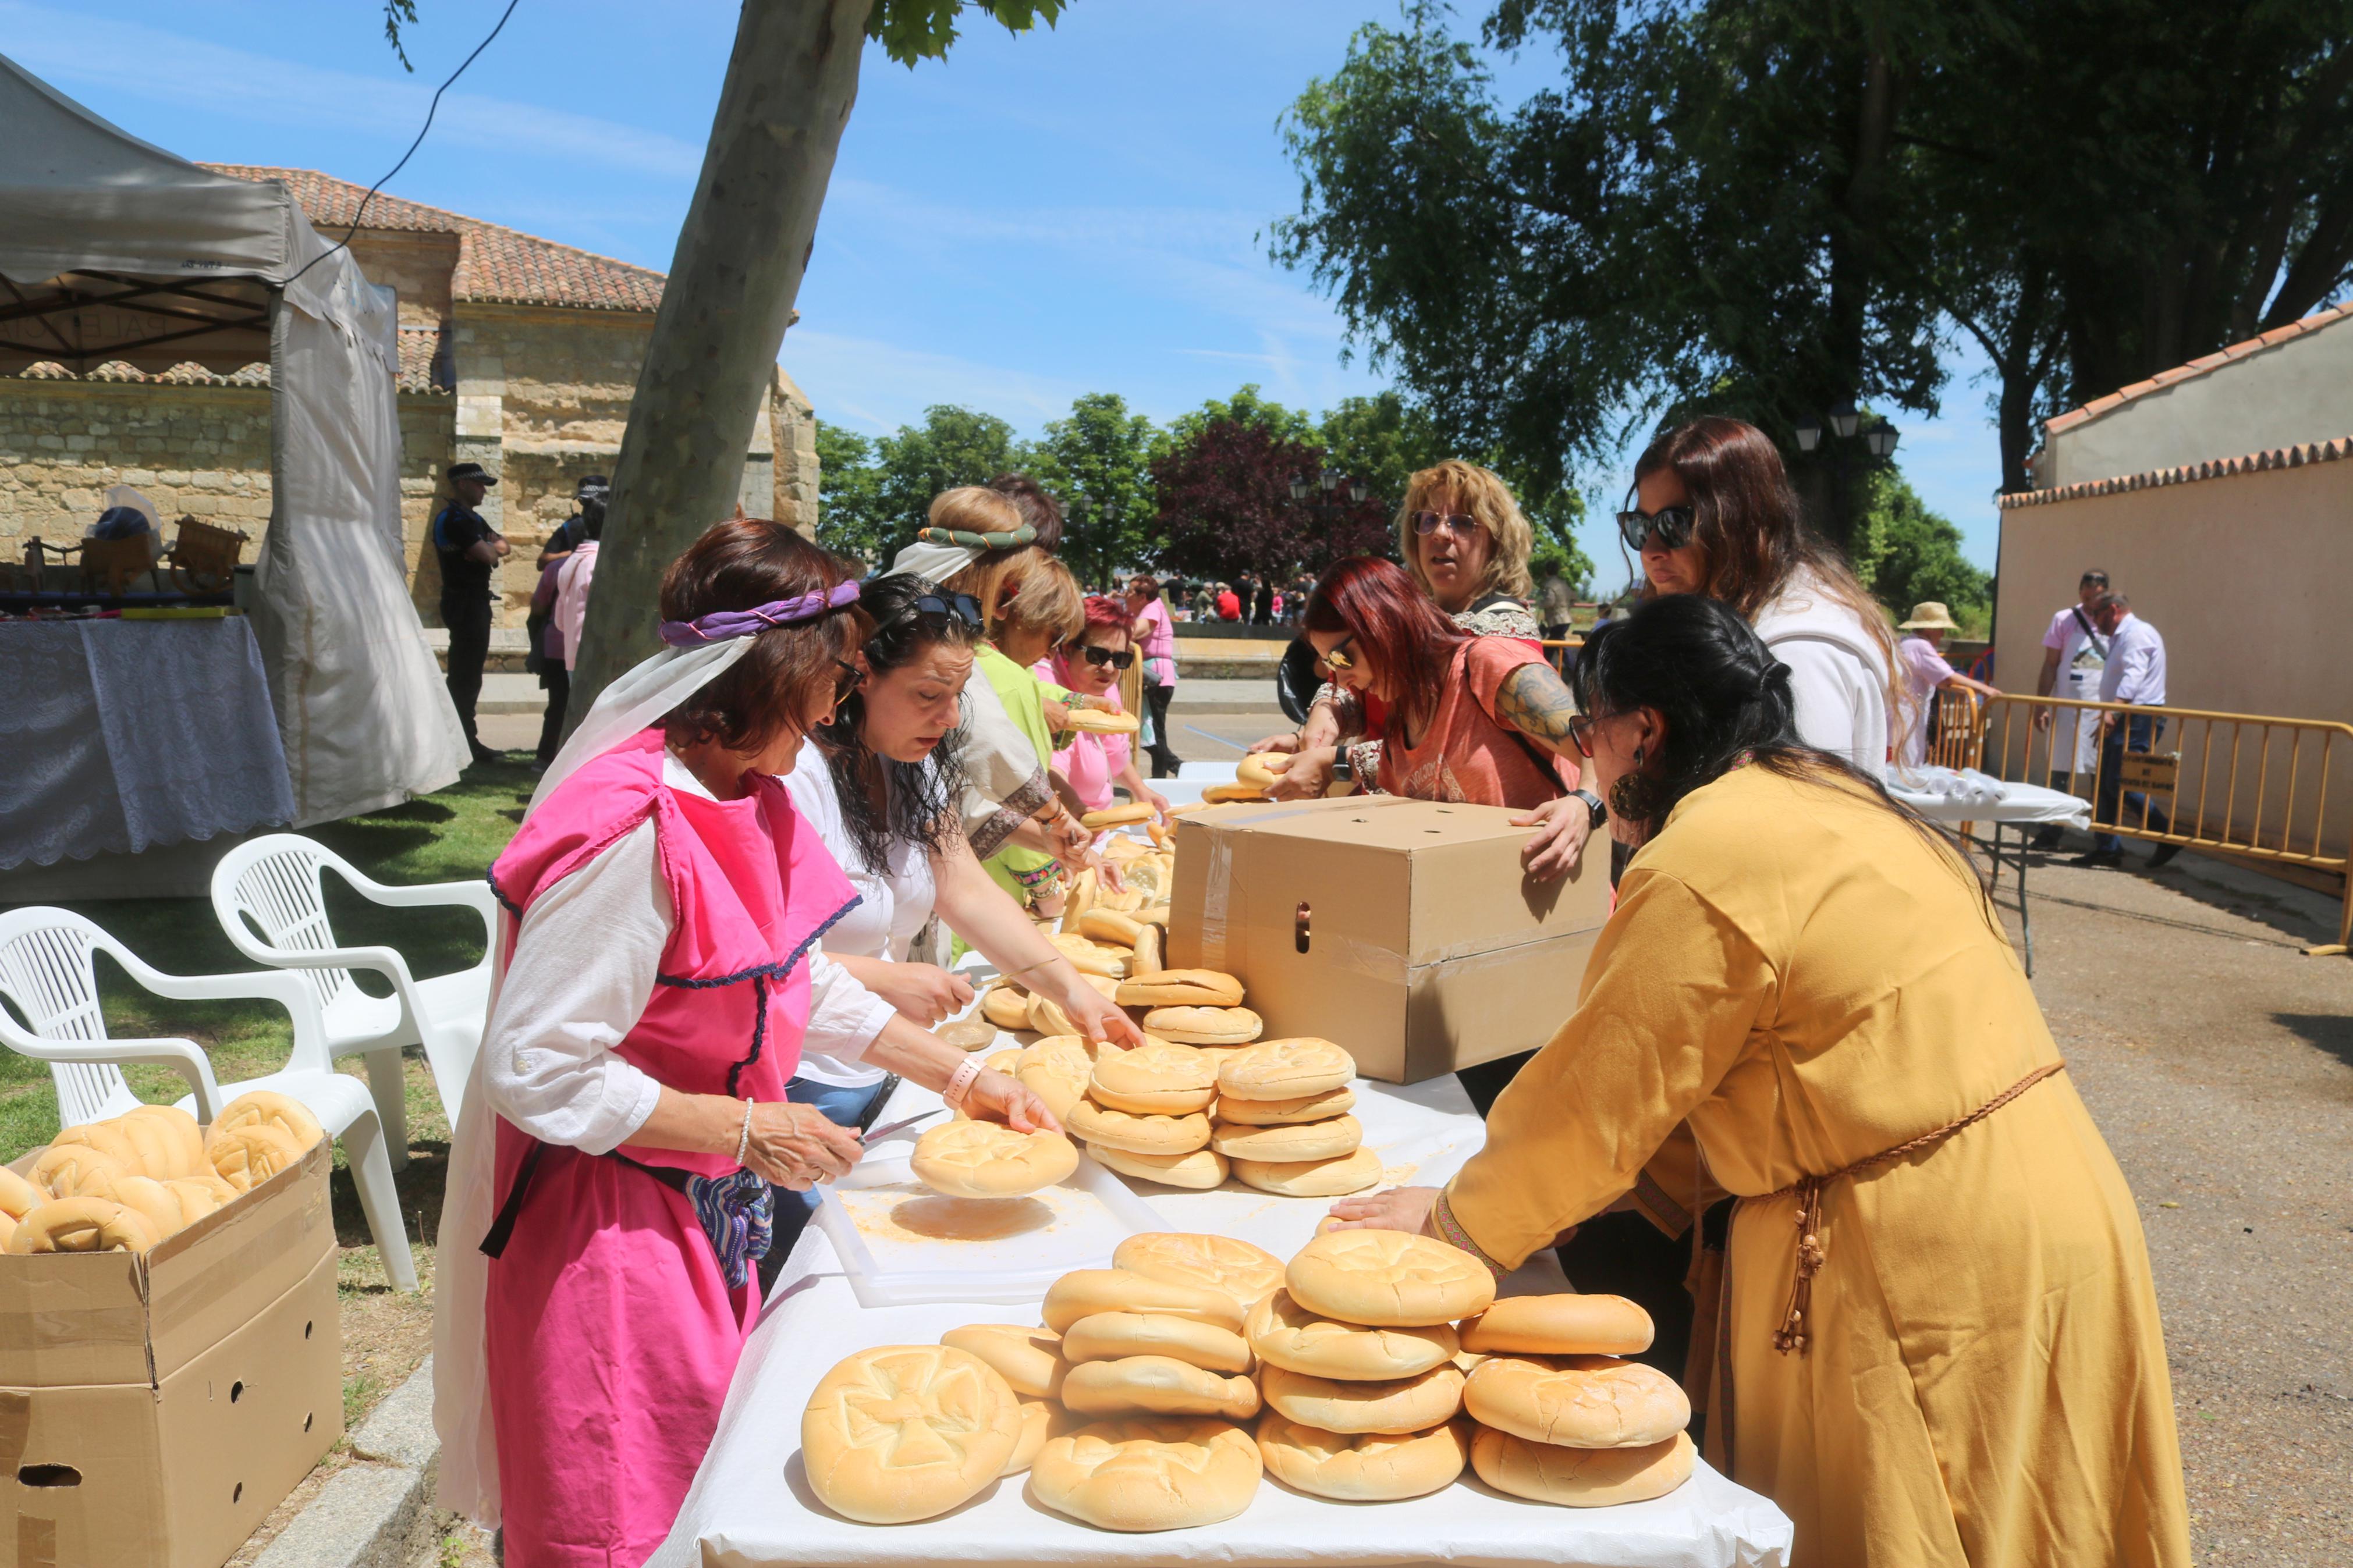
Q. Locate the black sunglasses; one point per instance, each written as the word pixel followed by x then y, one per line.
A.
pixel 1672 525
pixel 847 678
pixel 940 609
pixel 1099 657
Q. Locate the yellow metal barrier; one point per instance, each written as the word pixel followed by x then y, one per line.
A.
pixel 2275 791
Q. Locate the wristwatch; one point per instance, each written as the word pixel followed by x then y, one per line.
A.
pixel 1342 770
pixel 1593 807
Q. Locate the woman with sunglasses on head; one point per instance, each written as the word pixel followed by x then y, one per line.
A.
pixel 609 1192
pixel 1466 542
pixel 1713 513
pixel 1089 666
pixel 1940 1335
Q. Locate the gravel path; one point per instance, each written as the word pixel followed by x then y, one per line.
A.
pixel 2219 1061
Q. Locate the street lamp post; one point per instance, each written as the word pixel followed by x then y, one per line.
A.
pixel 1844 420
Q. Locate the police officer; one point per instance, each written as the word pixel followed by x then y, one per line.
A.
pixel 469 547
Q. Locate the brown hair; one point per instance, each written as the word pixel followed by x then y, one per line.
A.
pixel 1045 598
pixel 1038 509
pixel 1484 496
pixel 1745 522
pixel 738 565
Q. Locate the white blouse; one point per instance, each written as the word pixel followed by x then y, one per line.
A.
pixel 1837 671
pixel 894 905
pixel 584 969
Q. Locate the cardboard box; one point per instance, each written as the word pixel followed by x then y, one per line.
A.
pixel 154 1410
pixel 1404 930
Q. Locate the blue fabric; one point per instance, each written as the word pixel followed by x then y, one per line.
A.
pixel 2139 734
pixel 738 1215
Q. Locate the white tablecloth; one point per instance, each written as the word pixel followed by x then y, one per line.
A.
pixel 121 735
pixel 751 1504
pixel 1968 795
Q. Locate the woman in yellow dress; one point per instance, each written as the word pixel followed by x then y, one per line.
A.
pixel 1939 1343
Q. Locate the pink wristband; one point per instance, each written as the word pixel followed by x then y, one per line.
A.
pixel 966 1070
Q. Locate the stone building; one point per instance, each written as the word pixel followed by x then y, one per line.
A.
pixel 515 353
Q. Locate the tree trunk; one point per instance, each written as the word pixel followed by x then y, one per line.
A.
pixel 791 82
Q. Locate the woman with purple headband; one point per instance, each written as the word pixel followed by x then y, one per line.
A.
pixel 609 1196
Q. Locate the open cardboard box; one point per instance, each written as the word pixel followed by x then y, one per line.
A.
pixel 1404 930
pixel 154 1410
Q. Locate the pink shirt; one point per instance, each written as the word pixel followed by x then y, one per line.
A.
pixel 1157 637
pixel 1089 761
pixel 574 573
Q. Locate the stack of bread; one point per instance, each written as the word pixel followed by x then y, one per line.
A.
pixel 1143 1112
pixel 1560 1418
pixel 1193 1007
pixel 1282 1118
pixel 128 1182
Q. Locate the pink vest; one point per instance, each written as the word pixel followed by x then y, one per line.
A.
pixel 753 888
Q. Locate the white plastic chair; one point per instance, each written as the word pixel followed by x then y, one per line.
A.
pixel 46 971
pixel 267 895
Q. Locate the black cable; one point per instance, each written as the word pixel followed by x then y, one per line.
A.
pixel 430 111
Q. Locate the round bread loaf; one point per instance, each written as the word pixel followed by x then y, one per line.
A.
pixel 1056 1071
pixel 1290 1142
pixel 1029 1360
pixel 82 1224
pixel 1041 1419
pixel 151 1201
pixel 1203 1026
pixel 1227 793
pixel 1117 815
pixel 196 1198
pixel 1288 1335
pixel 62 1168
pixel 1145 1134
pixel 1182 988
pixel 108 1138
pixel 249 1155
pixel 1247 1273
pixel 1260 769
pixel 1109 1336
pixel 971 1034
pixel 1103 721
pixel 1332 1178
pixel 1006 1007
pixel 1006 1060
pixel 7 1231
pixel 1363 1467
pixel 1110 926
pixel 1276 1112
pixel 1081 896
pixel 1579 1478
pixel 1150 1473
pixel 266 1108
pixel 19 1196
pixel 1083 1293
pixel 1559 1325
pixel 1337 1405
pixel 171 1144
pixel 1092 958
pixel 1196 1171
pixel 905 1432
pixel 1155 1385
pixel 1388 1278
pixel 1286 1069
pixel 1149 954
pixel 1578 1402
pixel 983 1160
pixel 1166 1079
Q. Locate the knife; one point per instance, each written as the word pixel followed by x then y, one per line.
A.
pixel 900 1125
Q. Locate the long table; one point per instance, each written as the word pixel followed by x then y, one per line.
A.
pixel 751 1505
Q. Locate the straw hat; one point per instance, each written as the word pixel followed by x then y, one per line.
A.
pixel 1928 616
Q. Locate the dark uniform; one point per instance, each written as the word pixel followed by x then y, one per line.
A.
pixel 465 606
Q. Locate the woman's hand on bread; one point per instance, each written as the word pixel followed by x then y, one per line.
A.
pixel 994 1097
pixel 1307 777
pixel 1558 845
pixel 796 1146
pixel 1286 741
pixel 921 993
pixel 1399 1208
pixel 1096 1015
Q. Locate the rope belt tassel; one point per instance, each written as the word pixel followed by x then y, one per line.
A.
pixel 1793 1335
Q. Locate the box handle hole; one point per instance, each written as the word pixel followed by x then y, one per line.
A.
pixel 236 1494
pixel 306 1330
pixel 306 1419
pixel 236 1391
pixel 48 1476
pixel 1299 933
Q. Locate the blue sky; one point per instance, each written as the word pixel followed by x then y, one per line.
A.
pixel 1036 217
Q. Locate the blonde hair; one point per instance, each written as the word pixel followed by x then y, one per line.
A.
pixel 1045 597
pixel 1485 497
pixel 995 577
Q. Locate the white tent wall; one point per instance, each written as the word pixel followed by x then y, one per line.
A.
pixel 365 718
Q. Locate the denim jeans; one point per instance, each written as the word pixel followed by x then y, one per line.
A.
pixel 2139 734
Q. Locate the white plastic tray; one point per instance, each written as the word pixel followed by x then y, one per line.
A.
pixel 1009 1249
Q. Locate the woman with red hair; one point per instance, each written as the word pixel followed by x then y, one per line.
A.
pixel 1484 719
pixel 1091 664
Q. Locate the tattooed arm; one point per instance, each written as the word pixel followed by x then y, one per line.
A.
pixel 1533 700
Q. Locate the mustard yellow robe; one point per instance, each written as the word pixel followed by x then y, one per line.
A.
pixel 1796 972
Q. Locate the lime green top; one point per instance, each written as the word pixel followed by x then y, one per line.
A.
pixel 1018 870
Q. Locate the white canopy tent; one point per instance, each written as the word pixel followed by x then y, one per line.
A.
pixel 111 249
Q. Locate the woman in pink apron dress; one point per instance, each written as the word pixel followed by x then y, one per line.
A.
pixel 608 1196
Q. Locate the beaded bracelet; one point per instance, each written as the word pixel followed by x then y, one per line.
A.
pixel 744 1141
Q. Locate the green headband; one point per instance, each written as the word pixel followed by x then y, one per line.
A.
pixel 1025 534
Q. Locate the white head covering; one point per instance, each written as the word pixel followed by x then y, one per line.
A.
pixel 932 562
pixel 638 698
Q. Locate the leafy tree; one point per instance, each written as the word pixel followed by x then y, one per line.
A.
pixel 1247 405
pixel 1380 441
pixel 1907 553
pixel 1097 462
pixel 1223 490
pixel 952 446
pixel 849 501
pixel 1553 517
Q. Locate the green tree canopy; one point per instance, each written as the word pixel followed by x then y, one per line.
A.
pixel 1906 554
pixel 849 495
pixel 952 446
pixel 1097 463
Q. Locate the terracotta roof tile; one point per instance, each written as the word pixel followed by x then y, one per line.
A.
pixel 2059 423
pixel 495 264
pixel 2294 456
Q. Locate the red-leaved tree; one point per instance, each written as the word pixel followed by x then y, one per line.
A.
pixel 1225 506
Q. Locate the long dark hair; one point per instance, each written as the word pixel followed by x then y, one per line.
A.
pixel 919 799
pixel 1401 627
pixel 1724 697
